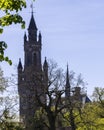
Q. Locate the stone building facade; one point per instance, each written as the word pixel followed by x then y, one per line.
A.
pixel 32 77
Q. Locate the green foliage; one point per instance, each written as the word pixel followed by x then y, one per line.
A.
pixel 38 122
pixel 89 118
pixel 3 47
pixel 10 9
pixel 11 5
pixel 8 19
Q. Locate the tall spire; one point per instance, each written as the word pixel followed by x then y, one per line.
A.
pixel 32 29
pixel 32 25
pixel 67 75
pixel 67 87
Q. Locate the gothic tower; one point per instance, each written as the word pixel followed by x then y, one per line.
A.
pixel 32 74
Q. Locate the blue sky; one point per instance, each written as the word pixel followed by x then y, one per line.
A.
pixel 72 31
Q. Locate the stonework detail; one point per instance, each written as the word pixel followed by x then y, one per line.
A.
pixel 31 76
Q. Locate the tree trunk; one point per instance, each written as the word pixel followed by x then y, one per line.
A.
pixel 72 121
pixel 52 121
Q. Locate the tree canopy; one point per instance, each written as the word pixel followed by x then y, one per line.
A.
pixel 10 14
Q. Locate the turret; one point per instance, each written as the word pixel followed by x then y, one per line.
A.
pixel 20 65
pixel 20 70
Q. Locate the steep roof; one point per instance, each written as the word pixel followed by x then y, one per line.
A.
pixel 32 25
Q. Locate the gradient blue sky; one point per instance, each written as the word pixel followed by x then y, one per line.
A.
pixel 72 31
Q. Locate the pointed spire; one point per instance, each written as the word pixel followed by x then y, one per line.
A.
pixel 67 76
pixel 20 64
pixel 45 63
pixel 25 37
pixel 39 37
pixel 67 87
pixel 45 70
pixel 32 25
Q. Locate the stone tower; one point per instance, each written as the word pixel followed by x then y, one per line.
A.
pixel 32 77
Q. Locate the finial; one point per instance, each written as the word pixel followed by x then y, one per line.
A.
pixel 32 25
pixel 32 8
pixel 67 65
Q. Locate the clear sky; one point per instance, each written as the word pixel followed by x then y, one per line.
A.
pixel 72 31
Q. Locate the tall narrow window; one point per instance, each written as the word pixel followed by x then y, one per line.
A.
pixel 34 58
pixel 28 59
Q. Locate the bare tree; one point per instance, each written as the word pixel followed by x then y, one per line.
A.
pixel 98 95
pixel 8 104
pixel 56 104
pixel 54 91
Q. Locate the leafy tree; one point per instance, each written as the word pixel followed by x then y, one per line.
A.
pixel 89 118
pixel 38 121
pixel 98 95
pixel 92 114
pixel 10 14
